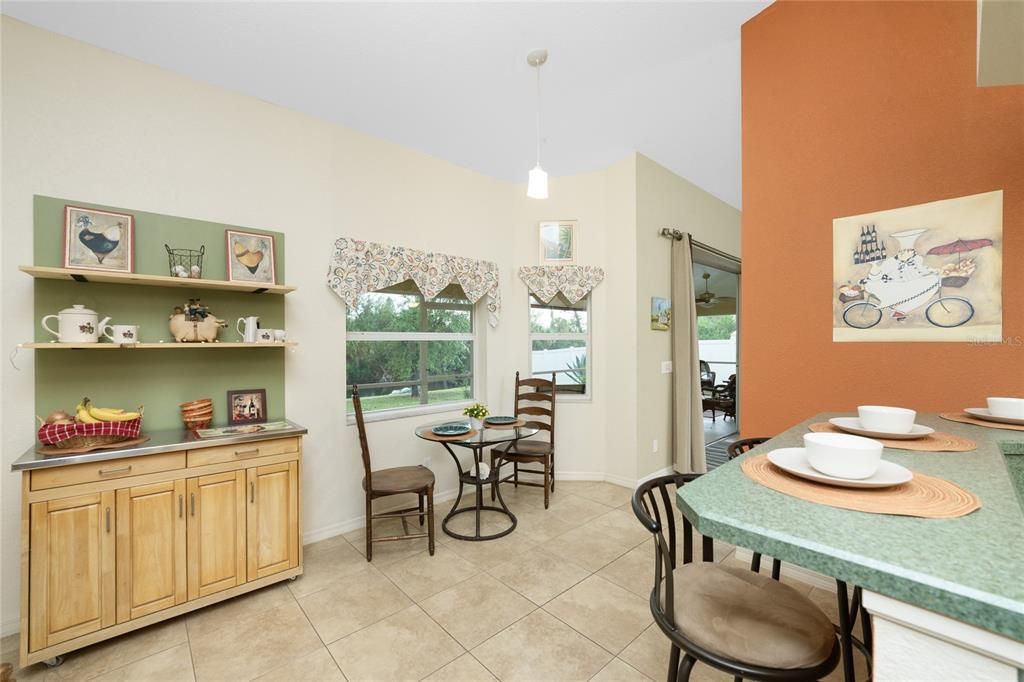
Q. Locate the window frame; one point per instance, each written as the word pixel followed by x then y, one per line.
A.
pixel 475 337
pixel 563 396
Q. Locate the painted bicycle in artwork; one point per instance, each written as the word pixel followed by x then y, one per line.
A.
pixel 919 273
pixel 903 283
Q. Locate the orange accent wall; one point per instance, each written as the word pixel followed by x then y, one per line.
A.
pixel 851 107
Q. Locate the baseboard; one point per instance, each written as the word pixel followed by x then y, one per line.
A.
pixel 804 575
pixel 342 527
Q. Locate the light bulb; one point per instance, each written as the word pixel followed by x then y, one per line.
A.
pixel 537 187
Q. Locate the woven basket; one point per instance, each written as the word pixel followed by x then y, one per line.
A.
pixel 67 436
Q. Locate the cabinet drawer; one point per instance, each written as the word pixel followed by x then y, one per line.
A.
pixel 241 452
pixel 106 470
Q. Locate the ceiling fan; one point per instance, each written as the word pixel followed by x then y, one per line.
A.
pixel 709 299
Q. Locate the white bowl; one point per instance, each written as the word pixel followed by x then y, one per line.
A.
pixel 843 455
pixel 1011 408
pixel 886 419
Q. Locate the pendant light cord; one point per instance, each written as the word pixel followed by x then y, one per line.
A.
pixel 538 112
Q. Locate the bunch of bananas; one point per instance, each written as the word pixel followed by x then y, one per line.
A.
pixel 87 413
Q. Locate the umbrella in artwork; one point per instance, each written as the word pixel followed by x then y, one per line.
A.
pixel 958 247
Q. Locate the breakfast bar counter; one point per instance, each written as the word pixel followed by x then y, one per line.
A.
pixel 963 571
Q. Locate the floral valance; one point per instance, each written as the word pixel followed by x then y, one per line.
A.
pixel 359 267
pixel 574 281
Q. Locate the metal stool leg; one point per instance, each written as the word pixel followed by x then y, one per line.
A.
pixel 685 668
pixel 845 631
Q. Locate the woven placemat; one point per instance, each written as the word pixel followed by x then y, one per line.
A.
pixel 923 496
pixel 965 418
pixel 430 435
pixel 933 442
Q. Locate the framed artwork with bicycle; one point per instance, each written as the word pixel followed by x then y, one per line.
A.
pixel 931 272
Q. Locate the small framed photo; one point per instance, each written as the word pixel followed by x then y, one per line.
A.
pixel 250 257
pixel 559 242
pixel 661 314
pixel 98 240
pixel 247 406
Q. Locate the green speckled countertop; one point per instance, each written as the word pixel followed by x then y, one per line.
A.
pixel 970 569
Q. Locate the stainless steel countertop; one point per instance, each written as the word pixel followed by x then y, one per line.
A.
pixel 169 440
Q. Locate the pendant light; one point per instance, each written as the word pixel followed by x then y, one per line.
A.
pixel 537 187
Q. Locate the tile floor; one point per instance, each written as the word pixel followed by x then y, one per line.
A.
pixel 564 597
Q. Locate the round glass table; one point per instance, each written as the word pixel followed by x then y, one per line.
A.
pixel 477 441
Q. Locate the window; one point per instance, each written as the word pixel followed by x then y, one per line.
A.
pixel 404 351
pixel 560 342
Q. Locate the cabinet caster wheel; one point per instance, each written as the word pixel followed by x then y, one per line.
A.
pixel 54 662
pixel 293 578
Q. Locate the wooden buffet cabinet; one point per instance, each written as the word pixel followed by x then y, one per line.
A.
pixel 112 542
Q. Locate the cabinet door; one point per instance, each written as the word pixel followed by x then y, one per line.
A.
pixel 273 519
pixel 151 571
pixel 216 533
pixel 71 580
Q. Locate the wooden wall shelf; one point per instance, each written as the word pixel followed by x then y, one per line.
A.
pixel 45 345
pixel 75 275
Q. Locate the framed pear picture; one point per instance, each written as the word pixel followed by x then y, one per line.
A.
pixel 250 257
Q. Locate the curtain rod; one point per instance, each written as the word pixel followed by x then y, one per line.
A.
pixel 676 235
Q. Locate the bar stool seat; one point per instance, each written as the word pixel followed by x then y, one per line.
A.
pixel 744 616
pixel 401 480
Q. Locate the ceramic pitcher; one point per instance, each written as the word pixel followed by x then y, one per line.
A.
pixel 76 324
pixel 248 328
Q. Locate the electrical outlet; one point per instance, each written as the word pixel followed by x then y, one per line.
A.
pixel 654 445
pixel 666 366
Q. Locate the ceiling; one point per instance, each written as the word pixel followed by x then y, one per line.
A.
pixel 451 79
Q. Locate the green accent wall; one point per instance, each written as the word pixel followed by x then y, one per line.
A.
pixel 159 379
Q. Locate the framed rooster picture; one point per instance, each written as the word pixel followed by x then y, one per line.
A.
pixel 250 257
pixel 98 240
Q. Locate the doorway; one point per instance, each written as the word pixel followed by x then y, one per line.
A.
pixel 716 286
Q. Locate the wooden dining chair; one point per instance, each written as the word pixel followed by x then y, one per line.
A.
pixel 743 623
pixel 417 480
pixel 534 400
pixel 735 449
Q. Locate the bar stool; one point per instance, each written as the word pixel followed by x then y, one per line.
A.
pixel 732 619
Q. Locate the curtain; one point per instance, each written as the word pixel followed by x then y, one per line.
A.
pixel 358 267
pixel 687 406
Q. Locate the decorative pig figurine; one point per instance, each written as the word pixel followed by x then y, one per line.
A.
pixel 194 323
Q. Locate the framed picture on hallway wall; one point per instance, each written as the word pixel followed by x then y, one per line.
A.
pixel 930 272
pixel 559 242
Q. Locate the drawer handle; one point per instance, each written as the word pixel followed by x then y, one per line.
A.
pixel 247 453
pixel 118 470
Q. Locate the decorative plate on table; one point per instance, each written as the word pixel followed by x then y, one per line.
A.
pixel 852 425
pixel 452 429
pixel 794 461
pixel 983 413
pixel 501 421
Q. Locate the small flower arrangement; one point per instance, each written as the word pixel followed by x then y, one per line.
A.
pixel 476 411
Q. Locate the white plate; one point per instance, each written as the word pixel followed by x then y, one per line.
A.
pixel 983 413
pixel 852 425
pixel 794 461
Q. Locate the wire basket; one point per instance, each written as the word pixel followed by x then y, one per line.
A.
pixel 187 261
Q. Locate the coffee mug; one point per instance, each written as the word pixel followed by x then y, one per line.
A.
pixel 122 333
pixel 264 336
pixel 280 335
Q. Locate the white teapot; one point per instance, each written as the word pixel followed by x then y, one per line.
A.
pixel 76 324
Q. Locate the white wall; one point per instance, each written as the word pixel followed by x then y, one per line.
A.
pixel 666 200
pixel 81 122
